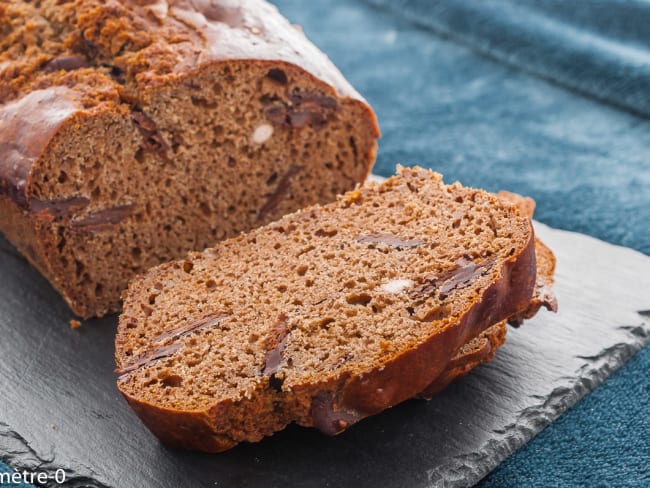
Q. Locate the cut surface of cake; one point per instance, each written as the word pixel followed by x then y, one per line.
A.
pixel 326 316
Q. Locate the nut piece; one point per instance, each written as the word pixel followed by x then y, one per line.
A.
pixel 396 286
pixel 262 133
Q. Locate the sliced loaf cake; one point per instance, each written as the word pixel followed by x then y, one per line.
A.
pixel 326 316
pixel 133 132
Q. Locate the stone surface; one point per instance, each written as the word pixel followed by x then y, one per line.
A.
pixel 60 408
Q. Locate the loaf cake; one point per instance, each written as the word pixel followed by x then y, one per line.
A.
pixel 326 316
pixel 132 132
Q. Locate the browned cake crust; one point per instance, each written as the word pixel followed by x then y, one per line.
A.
pixel 326 316
pixel 481 349
pixel 132 132
pixel 543 295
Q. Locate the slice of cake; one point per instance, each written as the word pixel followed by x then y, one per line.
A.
pixel 326 316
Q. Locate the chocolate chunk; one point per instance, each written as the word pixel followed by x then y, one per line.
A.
pixel 280 190
pixel 191 326
pixel 58 208
pixel 390 240
pixel 66 63
pixel 275 344
pixel 304 108
pixel 460 277
pixel 147 357
pixel 276 113
pixel 464 275
pixel 312 98
pixel 424 289
pixel 328 420
pixel 103 219
pixel 153 139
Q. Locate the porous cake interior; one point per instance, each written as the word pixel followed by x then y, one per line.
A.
pixel 329 290
pixel 195 161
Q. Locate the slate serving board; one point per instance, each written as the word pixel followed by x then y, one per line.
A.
pixel 59 407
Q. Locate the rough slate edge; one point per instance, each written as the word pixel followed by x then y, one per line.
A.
pixel 501 405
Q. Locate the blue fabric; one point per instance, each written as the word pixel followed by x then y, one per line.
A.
pixel 502 125
pixel 6 469
pixel 599 47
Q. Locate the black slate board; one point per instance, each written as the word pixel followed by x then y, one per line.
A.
pixel 59 407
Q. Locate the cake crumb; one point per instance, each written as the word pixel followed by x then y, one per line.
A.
pixel 75 324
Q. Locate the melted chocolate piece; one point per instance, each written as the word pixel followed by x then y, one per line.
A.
pixel 306 98
pixel 66 63
pixel 464 275
pixel 328 420
pixel 276 113
pixel 303 109
pixel 275 344
pixel 58 208
pixel 280 190
pixel 424 289
pixel 191 326
pixel 460 277
pixel 147 357
pixel 103 219
pixel 390 240
pixel 153 139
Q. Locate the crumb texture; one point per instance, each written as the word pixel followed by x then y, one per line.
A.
pixel 325 316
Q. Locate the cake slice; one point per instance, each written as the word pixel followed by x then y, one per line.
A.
pixel 324 317
pixel 133 132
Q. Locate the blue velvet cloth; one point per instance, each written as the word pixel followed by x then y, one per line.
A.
pixel 598 47
pixel 545 98
pixel 6 469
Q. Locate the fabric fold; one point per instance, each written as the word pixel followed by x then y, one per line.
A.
pixel 599 48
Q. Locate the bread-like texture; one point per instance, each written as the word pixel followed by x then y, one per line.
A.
pixel 324 317
pixel 132 132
